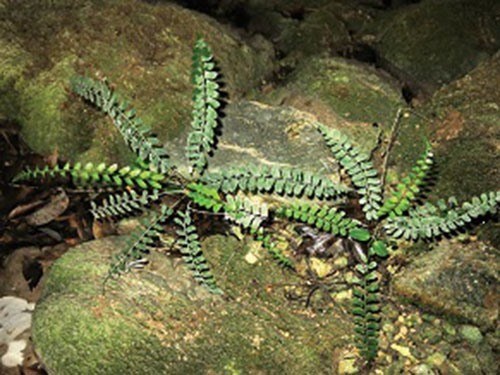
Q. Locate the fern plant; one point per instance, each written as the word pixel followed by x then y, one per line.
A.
pixel 230 192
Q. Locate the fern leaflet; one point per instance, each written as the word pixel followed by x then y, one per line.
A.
pixel 189 246
pixel 282 181
pixel 430 221
pixel 122 204
pixel 135 133
pixel 365 301
pixel 359 167
pixel 100 174
pixel 325 218
pixel 406 191
pixel 142 241
pixel 205 103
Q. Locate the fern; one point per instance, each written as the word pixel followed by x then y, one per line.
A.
pixel 205 103
pixel 430 221
pixel 325 218
pixel 142 241
pixel 276 253
pixel 100 174
pixel 282 181
pixel 135 133
pixel 365 301
pixel 359 167
pixel 121 204
pixel 407 190
pixel 189 246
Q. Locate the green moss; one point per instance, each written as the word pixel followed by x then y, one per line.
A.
pixel 161 321
pixel 45 126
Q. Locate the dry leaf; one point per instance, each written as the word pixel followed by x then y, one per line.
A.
pixel 57 205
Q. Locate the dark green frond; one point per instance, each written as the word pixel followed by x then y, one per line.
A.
pixel 141 242
pixel 190 247
pixel 409 187
pixel 366 305
pixel 429 221
pixel 359 167
pixel 101 174
pixel 282 181
pixel 325 218
pixel 136 134
pixel 123 204
pixel 205 103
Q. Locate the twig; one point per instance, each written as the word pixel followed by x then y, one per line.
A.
pixel 392 138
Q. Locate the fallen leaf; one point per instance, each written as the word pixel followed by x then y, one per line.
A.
pixel 56 206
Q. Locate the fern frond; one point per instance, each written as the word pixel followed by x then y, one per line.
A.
pixel 205 103
pixel 100 174
pixel 190 247
pixel 142 241
pixel 365 306
pixel 409 187
pixel 430 221
pixel 122 204
pixel 359 168
pixel 325 218
pixel 136 134
pixel 282 181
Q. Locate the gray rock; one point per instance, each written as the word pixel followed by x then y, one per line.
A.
pixel 459 280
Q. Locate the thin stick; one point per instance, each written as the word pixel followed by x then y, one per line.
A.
pixel 392 138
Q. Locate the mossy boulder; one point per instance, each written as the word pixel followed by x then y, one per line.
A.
pixel 339 90
pixel 143 49
pixel 432 43
pixel 160 321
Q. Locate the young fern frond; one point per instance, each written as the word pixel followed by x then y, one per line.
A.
pixel 205 103
pixel 282 181
pixel 142 241
pixel 430 221
pixel 409 187
pixel 359 168
pixel 365 301
pixel 121 204
pixel 190 247
pixel 325 218
pixel 100 174
pixel 136 134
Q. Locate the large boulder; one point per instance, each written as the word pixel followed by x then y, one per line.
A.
pixel 432 43
pixel 143 49
pixel 160 321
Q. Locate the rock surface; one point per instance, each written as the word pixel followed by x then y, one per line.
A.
pixel 143 49
pixel 455 280
pixel 160 321
pixel 432 43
